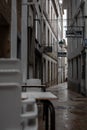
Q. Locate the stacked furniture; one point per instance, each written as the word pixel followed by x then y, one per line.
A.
pixel 29 116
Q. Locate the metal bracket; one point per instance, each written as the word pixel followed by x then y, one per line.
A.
pixel 30 3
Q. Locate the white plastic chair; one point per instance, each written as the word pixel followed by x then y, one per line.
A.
pixel 29 116
pixel 34 85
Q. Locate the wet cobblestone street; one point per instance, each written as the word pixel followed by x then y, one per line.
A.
pixel 70 108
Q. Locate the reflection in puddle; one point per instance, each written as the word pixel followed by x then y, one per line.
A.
pixel 71 110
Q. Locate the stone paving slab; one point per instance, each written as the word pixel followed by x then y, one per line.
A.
pixel 70 108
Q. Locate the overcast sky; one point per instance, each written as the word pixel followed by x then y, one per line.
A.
pixel 64 24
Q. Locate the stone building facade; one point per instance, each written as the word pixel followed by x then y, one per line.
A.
pixel 33 37
pixel 28 49
pixel 50 42
pixel 43 37
pixel 77 53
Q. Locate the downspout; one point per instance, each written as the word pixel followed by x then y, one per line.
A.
pixel 85 37
pixel 41 39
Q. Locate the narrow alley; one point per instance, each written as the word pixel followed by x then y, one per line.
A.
pixel 70 107
pixel 43 64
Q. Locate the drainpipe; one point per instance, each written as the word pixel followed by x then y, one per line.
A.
pixel 41 39
pixel 14 29
pixel 85 14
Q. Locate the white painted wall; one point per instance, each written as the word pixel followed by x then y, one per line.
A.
pixel 24 41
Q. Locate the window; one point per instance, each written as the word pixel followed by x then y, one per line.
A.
pixel 18 48
pixel 51 12
pixel 48 37
pixel 36 25
pixel 72 68
pixel 48 6
pixel 77 67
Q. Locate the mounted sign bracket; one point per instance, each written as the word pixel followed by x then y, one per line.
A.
pixel 31 3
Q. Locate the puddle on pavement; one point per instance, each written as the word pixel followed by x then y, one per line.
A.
pixel 64 107
pixel 79 110
pixel 78 98
pixel 80 113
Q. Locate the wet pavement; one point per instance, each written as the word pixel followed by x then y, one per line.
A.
pixel 70 108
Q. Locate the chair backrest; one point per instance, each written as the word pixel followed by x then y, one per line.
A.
pixel 32 82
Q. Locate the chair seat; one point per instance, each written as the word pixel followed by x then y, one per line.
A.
pixel 28 101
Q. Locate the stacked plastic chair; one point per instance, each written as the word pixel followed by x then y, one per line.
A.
pixel 29 116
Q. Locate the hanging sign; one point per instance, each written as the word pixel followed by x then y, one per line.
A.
pixel 62 54
pixel 85 42
pixel 74 33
